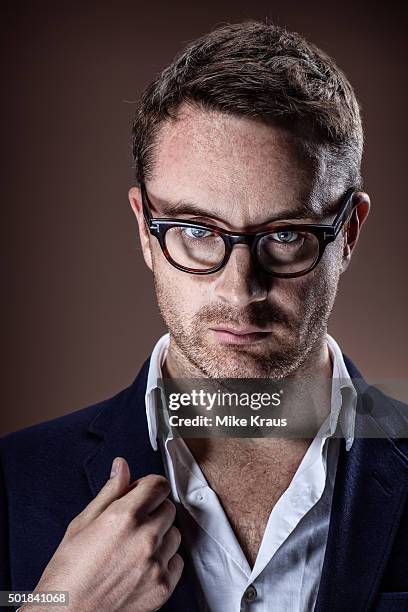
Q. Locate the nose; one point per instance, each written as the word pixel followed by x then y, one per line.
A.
pixel 239 283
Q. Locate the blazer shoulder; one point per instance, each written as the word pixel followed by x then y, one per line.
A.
pixel 390 416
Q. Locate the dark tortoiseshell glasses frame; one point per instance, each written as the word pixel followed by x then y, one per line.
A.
pixel 324 234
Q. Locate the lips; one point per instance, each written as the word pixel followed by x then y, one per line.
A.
pixel 239 335
pixel 239 331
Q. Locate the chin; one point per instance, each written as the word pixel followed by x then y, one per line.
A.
pixel 244 362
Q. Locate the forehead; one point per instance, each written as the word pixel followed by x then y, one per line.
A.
pixel 236 167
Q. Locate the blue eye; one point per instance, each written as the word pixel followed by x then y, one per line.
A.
pixel 285 236
pixel 195 232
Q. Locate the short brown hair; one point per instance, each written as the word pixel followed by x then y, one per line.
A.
pixel 256 70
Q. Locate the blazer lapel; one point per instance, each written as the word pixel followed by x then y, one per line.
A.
pixel 120 429
pixel 369 495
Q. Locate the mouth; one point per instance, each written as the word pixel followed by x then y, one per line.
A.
pixel 241 335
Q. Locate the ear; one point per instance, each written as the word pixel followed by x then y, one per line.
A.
pixel 135 199
pixel 351 234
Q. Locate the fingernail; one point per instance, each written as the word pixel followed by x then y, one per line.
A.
pixel 115 467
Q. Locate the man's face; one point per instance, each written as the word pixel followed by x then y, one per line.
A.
pixel 242 173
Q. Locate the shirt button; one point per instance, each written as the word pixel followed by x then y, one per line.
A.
pixel 250 593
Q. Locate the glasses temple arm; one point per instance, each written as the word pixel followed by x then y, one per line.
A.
pixel 146 210
pixel 348 208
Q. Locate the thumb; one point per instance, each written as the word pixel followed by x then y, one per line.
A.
pixel 116 486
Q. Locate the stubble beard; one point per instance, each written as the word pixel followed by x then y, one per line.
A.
pixel 294 345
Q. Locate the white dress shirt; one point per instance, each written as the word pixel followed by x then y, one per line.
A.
pixel 287 570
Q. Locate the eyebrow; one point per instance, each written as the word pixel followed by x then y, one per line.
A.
pixel 183 207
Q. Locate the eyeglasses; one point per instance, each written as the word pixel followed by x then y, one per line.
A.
pixel 283 250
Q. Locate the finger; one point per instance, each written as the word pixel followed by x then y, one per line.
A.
pixel 175 569
pixel 161 520
pixel 113 489
pixel 146 494
pixel 170 545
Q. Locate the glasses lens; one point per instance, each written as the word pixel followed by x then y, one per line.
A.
pixel 288 251
pixel 194 247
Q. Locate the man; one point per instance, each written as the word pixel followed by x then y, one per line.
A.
pixel 245 147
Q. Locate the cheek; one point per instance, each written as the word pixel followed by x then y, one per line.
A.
pixel 310 291
pixel 331 261
pixel 178 293
pixel 325 277
pixel 295 295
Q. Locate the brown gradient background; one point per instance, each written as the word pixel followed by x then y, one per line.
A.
pixel 79 309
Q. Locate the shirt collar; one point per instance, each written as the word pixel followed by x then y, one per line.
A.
pixel 157 359
pixel 344 395
pixel 343 400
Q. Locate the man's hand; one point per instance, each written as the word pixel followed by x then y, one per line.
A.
pixel 119 553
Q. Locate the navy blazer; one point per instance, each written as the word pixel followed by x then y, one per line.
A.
pixel 52 470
